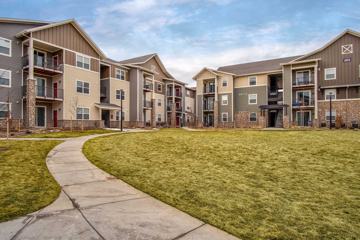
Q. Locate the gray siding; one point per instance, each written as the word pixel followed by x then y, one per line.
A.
pixel 241 98
pixel 199 102
pixel 226 108
pixel 14 64
pixel 105 84
pixel 287 84
pixel 134 85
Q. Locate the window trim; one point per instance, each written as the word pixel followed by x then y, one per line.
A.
pixel 82 113
pixel 121 116
pixel 227 100
pixel 226 83
pixel 122 94
pixel 83 56
pixel 302 71
pixel 343 47
pixel 227 117
pixel 327 79
pixel 122 73
pixel 330 89
pixel 249 82
pixel 9 108
pixel 82 87
pixel 10 76
pixel 10 49
pixel 302 91
pixel 327 113
pixel 161 87
pixel 157 117
pixel 159 101
pixel 255 117
pixel 252 94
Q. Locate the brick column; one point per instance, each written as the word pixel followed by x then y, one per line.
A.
pixel 30 89
pixel 173 115
pixel 153 115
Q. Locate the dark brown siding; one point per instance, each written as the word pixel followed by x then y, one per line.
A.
pixel 68 37
pixel 152 63
pixel 70 58
pixel 162 89
pixel 95 65
pixel 346 73
pixel 354 92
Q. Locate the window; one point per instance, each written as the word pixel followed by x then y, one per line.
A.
pixel 253 117
pixel 82 113
pixel 330 73
pixel 347 49
pixel 118 114
pixel 120 95
pixel 302 77
pixel 5 47
pixel 330 93
pixel 303 98
pixel 224 83
pixel 252 81
pixel 4 107
pixel 159 102
pixel 119 74
pixel 159 117
pixel 224 117
pixel 5 78
pixel 252 98
pixel 333 115
pixel 82 62
pixel 159 87
pixel 82 87
pixel 224 100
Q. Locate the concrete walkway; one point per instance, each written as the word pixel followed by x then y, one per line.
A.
pixel 95 205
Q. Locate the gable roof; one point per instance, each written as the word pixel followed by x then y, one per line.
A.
pixel 23 21
pixel 257 67
pixel 143 59
pixel 69 21
pixel 347 31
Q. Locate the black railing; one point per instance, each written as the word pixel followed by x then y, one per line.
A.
pixel 303 81
pixel 44 63
pixel 275 94
pixel 208 107
pixel 303 103
pixel 148 86
pixel 147 104
pixel 46 92
pixel 209 89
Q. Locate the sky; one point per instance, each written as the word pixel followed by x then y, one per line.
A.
pixel 191 34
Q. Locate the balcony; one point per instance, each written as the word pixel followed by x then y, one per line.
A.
pixel 178 94
pixel 209 89
pixel 48 66
pixel 177 109
pixel 208 107
pixel 46 93
pixel 303 82
pixel 147 104
pixel 303 103
pixel 103 92
pixel 148 86
pixel 275 95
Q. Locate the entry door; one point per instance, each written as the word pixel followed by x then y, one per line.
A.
pixel 40 116
pixel 40 87
pixel 303 118
pixel 55 118
pixel 39 58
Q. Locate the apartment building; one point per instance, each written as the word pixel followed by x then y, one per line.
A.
pixel 285 92
pixel 52 75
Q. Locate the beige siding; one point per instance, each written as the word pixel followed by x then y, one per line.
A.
pixel 71 97
pixel 189 104
pixel 116 84
pixel 68 37
pixel 159 109
pixel 154 66
pixel 244 81
pixel 230 85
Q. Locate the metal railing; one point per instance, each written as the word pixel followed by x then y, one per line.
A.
pixel 147 104
pixel 275 94
pixel 46 92
pixel 303 102
pixel 44 63
pixel 208 107
pixel 209 89
pixel 148 86
pixel 303 81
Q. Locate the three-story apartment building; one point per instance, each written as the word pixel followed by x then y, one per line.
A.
pixel 285 92
pixel 52 75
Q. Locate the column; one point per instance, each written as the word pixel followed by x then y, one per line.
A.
pixel 30 89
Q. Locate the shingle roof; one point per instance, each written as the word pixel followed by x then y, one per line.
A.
pixel 257 67
pixel 140 59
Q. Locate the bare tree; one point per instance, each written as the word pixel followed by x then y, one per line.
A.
pixel 74 102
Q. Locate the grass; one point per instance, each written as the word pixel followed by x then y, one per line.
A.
pixel 67 134
pixel 252 184
pixel 25 182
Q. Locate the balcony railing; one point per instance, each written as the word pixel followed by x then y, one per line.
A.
pixel 303 81
pixel 209 89
pixel 275 95
pixel 304 103
pixel 208 107
pixel 44 63
pixel 177 108
pixel 103 92
pixel 46 92
pixel 147 104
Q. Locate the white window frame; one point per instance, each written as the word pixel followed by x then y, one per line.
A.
pixel 83 62
pixel 330 90
pixel 224 114
pixel 121 74
pixel 82 87
pixel 161 87
pixel 302 111
pixel 325 75
pixel 303 91
pixel 122 94
pixel 255 117
pixel 302 71
pixel 249 98
pixel 9 109
pixel 159 116
pixel 224 83
pixel 249 80
pixel 5 70
pixel 10 47
pixel 82 114
pixel 224 102
pixel 347 49
pixel 333 115
pixel 119 115
pixel 159 102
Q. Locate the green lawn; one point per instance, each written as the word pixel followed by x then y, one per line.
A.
pixel 67 134
pixel 253 184
pixel 25 182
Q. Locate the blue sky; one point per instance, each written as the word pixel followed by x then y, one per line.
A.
pixel 191 34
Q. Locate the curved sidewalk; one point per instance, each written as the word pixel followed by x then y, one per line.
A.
pixel 95 205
